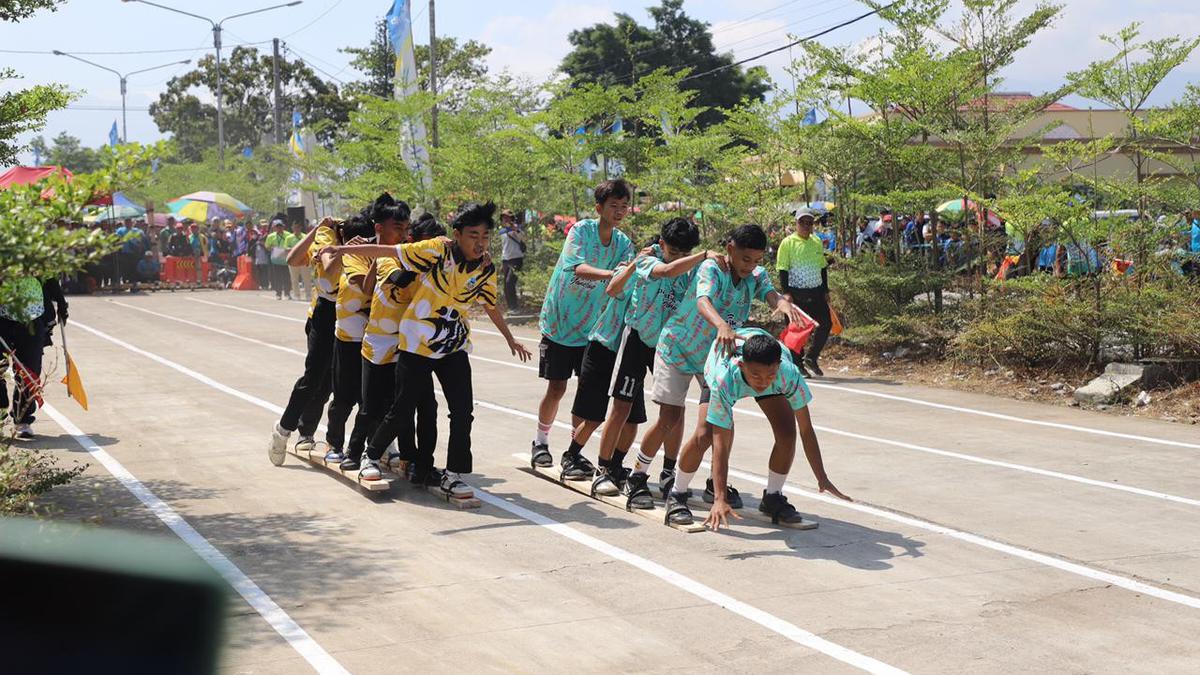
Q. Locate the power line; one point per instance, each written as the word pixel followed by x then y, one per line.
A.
pixel 794 43
pixel 788 25
pixel 143 51
pixel 310 23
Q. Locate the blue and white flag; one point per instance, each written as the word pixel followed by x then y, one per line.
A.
pixel 810 118
pixel 113 137
pixel 412 146
pixel 618 125
pixel 37 157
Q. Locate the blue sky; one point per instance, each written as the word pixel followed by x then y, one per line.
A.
pixel 528 37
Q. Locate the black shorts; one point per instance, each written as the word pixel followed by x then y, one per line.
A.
pixel 558 362
pixel 634 360
pixel 595 384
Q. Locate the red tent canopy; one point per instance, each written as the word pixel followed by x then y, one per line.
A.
pixel 24 175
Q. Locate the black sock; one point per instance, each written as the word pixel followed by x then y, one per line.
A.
pixel 618 459
pixel 668 464
pixel 574 448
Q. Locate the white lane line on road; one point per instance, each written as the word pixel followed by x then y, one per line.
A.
pixel 262 603
pixel 1009 418
pixel 855 390
pixel 968 537
pixel 1142 492
pixel 680 581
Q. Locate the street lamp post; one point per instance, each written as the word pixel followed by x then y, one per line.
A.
pixel 124 80
pixel 216 29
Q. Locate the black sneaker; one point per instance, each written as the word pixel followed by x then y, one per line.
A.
pixel 732 497
pixel 678 512
pixel 775 505
pixel 576 467
pixel 540 455
pixel 638 491
pixel 811 366
pixel 424 476
pixel 666 480
pixel 351 463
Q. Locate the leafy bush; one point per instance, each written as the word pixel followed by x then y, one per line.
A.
pixel 25 475
pixel 866 290
pixel 917 328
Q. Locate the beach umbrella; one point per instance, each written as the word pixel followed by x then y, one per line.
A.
pixel 822 207
pixel 115 212
pixel 201 206
pixel 954 209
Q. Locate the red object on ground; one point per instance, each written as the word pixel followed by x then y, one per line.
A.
pixel 245 276
pixel 24 175
pixel 177 269
pixel 796 335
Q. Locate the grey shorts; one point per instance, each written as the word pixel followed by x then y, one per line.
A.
pixel 671 384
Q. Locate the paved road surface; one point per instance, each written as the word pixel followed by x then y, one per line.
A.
pixel 989 536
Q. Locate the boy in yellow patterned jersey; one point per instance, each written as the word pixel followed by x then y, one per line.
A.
pixel 303 411
pixel 353 310
pixel 434 336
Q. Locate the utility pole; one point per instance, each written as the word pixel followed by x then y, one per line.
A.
pixel 275 86
pixel 433 72
pixel 216 29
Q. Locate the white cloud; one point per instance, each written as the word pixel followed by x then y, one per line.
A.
pixel 534 45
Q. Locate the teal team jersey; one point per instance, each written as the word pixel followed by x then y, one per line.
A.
pixel 686 336
pixel 611 323
pixel 653 301
pixel 723 375
pixel 573 305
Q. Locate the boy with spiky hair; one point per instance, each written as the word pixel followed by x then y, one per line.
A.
pixel 717 303
pixel 452 275
pixel 622 347
pixel 759 367
pixel 574 300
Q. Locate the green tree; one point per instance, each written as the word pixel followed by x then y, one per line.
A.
pixel 258 181
pixel 248 96
pixel 608 54
pixel 25 110
pixel 461 67
pixel 66 150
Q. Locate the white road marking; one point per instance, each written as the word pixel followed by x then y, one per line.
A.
pixel 680 581
pixel 968 537
pixel 1142 492
pixel 262 603
pixel 863 392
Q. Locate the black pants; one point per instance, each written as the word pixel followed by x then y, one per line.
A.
pixel 347 393
pixel 508 271
pixel 308 398
pixel 281 282
pixel 378 392
pixel 454 373
pixel 26 341
pixel 812 301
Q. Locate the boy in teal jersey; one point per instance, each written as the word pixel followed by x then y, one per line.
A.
pixel 759 367
pixel 574 301
pixel 619 354
pixel 717 303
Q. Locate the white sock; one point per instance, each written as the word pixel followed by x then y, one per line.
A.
pixel 642 465
pixel 775 481
pixel 543 434
pixel 682 480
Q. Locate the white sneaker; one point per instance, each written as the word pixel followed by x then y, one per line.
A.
pixel 604 485
pixel 454 487
pixel 277 449
pixel 370 470
pixel 23 432
pixel 305 444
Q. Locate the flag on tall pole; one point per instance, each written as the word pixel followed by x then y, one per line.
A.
pixel 412 146
pixel 113 137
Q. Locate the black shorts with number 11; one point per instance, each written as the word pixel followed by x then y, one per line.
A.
pixel 618 375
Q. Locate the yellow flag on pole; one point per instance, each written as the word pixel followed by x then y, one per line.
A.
pixel 72 380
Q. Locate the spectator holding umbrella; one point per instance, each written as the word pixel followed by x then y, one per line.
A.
pixel 804 276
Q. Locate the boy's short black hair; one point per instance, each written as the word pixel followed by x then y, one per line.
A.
pixel 357 226
pixel 474 213
pixel 749 236
pixel 681 233
pixel 762 349
pixel 386 208
pixel 617 188
pixel 427 227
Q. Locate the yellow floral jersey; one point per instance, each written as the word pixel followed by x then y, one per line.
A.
pixel 435 323
pixel 325 282
pixel 382 336
pixel 353 305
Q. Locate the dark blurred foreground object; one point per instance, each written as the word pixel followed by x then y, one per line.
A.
pixel 95 600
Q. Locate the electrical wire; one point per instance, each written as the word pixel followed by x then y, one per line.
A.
pixel 310 23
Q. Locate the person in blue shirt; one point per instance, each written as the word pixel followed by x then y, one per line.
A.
pixel 1195 232
pixel 759 367
pixel 148 268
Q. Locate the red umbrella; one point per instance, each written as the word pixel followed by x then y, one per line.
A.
pixel 25 175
